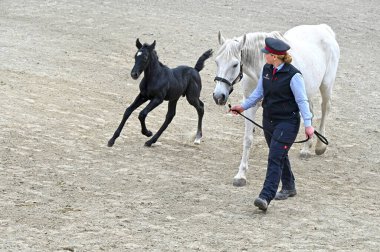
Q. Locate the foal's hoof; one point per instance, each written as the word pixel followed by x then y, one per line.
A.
pixel 147 133
pixel 198 138
pixel 111 142
pixel 148 144
pixel 240 182
pixel 197 141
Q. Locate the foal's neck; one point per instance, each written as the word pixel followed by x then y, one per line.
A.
pixel 153 66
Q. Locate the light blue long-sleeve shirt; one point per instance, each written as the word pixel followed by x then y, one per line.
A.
pixel 297 85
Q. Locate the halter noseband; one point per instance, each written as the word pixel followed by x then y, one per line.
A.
pixel 237 79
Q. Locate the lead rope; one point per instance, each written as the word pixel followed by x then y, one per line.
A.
pixel 320 136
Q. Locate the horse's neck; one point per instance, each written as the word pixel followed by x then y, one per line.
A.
pixel 252 58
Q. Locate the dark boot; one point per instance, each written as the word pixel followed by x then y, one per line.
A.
pixel 262 204
pixel 284 194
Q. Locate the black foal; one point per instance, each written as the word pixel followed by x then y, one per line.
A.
pixel 162 83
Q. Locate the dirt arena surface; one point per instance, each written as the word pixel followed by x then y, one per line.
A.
pixel 65 83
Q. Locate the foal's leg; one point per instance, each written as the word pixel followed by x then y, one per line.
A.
pixel 136 103
pixel 169 117
pixel 199 106
pixel 193 93
pixel 143 114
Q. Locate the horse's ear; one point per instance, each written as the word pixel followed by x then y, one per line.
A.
pixel 242 42
pixel 221 38
pixel 138 44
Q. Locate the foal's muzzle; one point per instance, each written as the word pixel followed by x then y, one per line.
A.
pixel 135 75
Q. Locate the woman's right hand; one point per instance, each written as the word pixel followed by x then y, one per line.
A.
pixel 236 108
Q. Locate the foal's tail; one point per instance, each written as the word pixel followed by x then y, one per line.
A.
pixel 200 63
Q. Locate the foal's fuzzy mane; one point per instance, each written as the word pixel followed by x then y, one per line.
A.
pixel 155 55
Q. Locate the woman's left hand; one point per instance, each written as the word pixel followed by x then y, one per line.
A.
pixel 309 131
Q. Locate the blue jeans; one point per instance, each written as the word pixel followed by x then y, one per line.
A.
pixel 278 161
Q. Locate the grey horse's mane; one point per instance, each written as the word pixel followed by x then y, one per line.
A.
pixel 251 54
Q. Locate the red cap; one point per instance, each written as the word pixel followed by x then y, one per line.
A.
pixel 272 51
pixel 275 46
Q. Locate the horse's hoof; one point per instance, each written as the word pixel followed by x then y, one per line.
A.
pixel 240 182
pixel 320 151
pixel 320 148
pixel 111 142
pixel 304 154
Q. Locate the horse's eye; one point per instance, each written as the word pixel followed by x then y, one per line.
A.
pixel 234 66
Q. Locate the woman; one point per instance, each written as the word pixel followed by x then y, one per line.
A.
pixel 282 88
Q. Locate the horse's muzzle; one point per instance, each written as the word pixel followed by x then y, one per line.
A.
pixel 220 100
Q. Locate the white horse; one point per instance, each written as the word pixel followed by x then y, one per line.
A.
pixel 315 53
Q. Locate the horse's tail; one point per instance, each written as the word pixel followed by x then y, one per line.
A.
pixel 201 61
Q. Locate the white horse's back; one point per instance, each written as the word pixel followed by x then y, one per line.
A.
pixel 315 53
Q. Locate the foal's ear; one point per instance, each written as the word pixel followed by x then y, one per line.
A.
pixel 153 45
pixel 138 44
pixel 221 38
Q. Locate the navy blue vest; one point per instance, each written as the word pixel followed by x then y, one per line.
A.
pixel 279 101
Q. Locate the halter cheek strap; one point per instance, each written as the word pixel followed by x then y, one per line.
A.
pixel 237 79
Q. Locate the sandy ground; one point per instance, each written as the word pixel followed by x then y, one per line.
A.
pixel 64 85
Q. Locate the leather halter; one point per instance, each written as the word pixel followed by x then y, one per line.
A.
pixel 231 84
